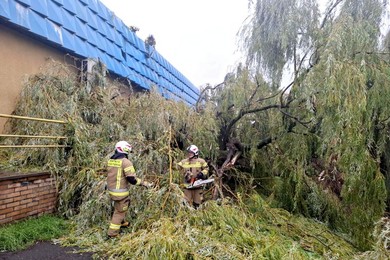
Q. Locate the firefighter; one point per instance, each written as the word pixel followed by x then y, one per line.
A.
pixel 121 172
pixel 193 168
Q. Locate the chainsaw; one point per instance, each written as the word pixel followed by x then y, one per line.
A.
pixel 199 183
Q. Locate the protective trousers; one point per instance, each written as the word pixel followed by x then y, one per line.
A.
pixel 120 209
pixel 193 196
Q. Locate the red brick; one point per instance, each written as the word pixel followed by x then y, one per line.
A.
pixel 20 216
pixel 18 198
pixel 21 188
pixel 51 203
pixel 13 204
pixel 24 210
pixel 39 190
pixel 18 208
pixel 51 200
pixel 25 201
pixel 31 195
pixel 45 192
pixel 14 185
pixel 26 192
pixel 22 197
pixel 5 211
pixel 39 181
pixel 32 212
pixel 45 184
pixel 34 203
pixel 3 206
pixel 42 202
pixel 6 201
pixel 50 195
pixel 13 213
pixel 46 209
pixel 5 191
pixel 6 182
pixel 32 186
pixel 13 194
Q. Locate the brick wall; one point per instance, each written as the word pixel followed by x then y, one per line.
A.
pixel 24 195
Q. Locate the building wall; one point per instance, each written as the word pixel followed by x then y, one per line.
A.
pixel 26 195
pixel 20 56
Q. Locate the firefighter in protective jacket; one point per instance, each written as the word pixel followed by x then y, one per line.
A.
pixel 121 172
pixel 193 168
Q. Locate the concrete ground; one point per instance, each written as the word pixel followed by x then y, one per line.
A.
pixel 45 250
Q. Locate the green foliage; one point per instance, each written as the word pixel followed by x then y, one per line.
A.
pixel 277 30
pixel 326 165
pixel 22 234
pixel 97 120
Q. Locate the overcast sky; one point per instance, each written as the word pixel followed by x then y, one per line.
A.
pixel 198 37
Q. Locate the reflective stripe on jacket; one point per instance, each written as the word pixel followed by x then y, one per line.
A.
pixel 191 168
pixel 118 169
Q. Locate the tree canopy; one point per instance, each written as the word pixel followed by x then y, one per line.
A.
pixel 325 131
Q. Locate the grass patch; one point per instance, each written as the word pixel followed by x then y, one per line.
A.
pixel 22 234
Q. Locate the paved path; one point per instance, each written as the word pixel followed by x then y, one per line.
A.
pixel 45 251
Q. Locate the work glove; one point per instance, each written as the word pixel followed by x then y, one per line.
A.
pixel 147 185
pixel 200 176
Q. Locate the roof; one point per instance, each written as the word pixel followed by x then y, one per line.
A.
pixel 87 28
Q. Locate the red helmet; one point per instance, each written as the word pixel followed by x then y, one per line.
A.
pixel 193 149
pixel 123 147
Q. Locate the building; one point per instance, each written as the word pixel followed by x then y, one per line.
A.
pixel 33 30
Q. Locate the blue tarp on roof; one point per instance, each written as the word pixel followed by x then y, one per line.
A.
pixel 89 29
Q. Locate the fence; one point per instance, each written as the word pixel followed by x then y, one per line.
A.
pixel 33 136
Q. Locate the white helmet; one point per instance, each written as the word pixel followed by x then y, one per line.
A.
pixel 193 149
pixel 123 147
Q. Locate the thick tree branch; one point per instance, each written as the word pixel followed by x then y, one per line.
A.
pixel 329 12
pixel 303 123
pixel 249 111
pixel 201 95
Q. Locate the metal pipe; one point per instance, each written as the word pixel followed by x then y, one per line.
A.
pixel 33 146
pixel 34 119
pixel 34 136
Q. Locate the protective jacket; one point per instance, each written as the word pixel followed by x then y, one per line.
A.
pixel 119 171
pixel 194 169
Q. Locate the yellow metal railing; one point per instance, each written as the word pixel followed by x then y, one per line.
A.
pixel 34 136
pixel 34 119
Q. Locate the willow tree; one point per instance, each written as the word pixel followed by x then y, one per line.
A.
pixel 328 165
